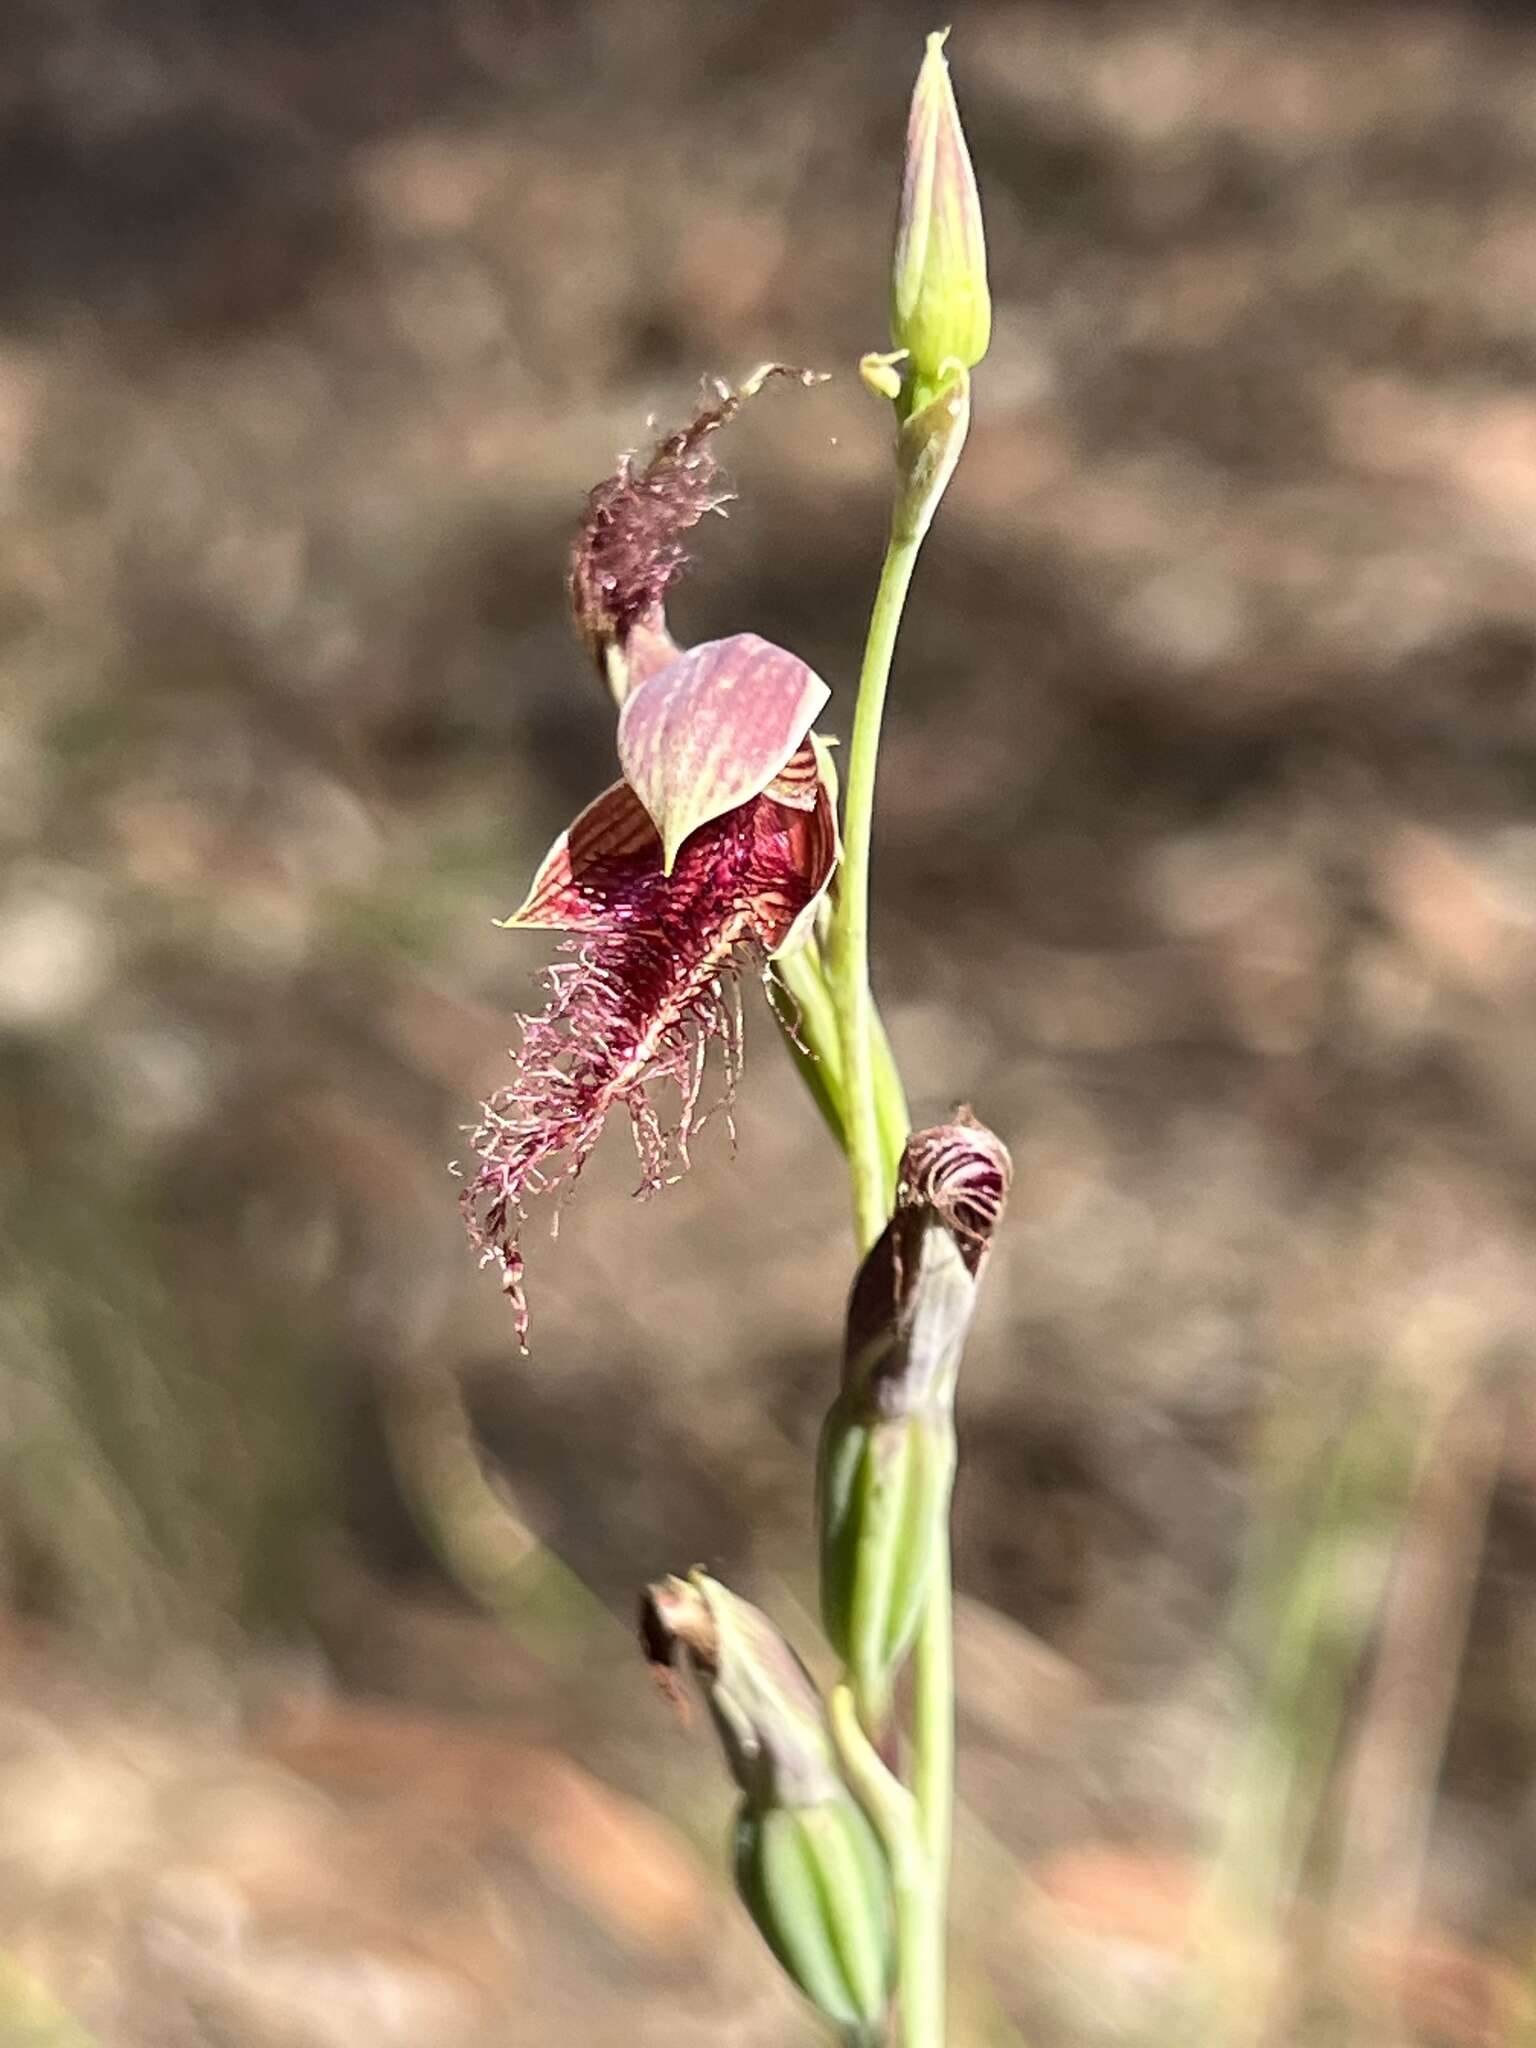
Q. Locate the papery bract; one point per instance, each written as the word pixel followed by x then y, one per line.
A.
pixel 767 1710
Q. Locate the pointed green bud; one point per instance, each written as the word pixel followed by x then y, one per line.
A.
pixel 940 309
pixel 808 1865
pixel 815 1880
pixel 886 1464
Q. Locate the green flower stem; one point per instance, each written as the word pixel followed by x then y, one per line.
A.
pixel 932 1768
pixel 933 1722
pixel 807 1020
pixel 894 1815
pixel 872 1188
pixel 890 1098
pixel 928 446
pixel 809 1023
pixel 916 1830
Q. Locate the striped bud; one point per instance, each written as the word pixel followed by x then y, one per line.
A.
pixel 814 1879
pixel 887 1457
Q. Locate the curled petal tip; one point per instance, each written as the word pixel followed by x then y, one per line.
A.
pixel 962 1171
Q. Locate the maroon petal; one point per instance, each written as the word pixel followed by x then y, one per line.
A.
pixel 712 729
pixel 588 880
pixel 796 852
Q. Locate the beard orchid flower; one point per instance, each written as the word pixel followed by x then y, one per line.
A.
pixel 710 855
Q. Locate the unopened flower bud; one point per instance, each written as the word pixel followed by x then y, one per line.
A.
pixel 808 1865
pixel 962 1171
pixel 887 1455
pixel 940 309
pixel 815 1880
